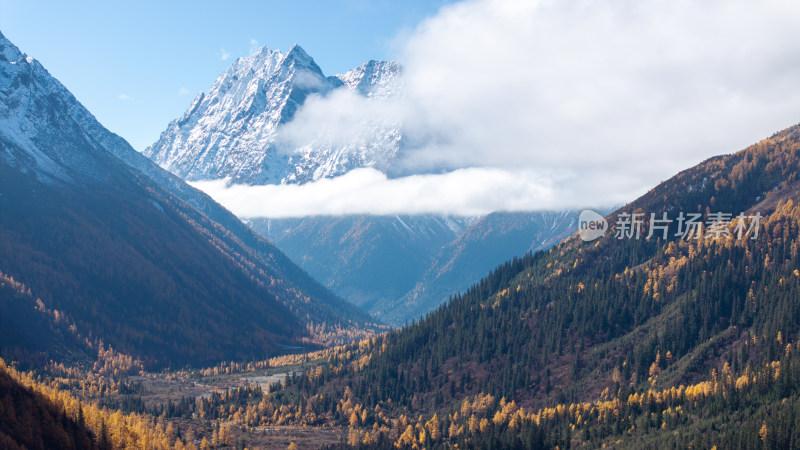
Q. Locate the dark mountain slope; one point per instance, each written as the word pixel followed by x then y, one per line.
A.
pixel 126 259
pixel 31 334
pixel 314 303
pixel 134 271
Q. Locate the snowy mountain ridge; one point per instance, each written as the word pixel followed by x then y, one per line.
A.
pixel 379 79
pixel 36 114
pixel 232 130
pixel 25 86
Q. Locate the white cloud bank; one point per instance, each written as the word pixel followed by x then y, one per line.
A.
pixel 562 103
pixel 645 86
pixel 472 191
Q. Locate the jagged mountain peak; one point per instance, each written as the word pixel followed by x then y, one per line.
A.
pixel 264 56
pixel 374 78
pixel 34 134
pixel 233 129
pixel 267 57
pixel 266 66
pixel 263 50
pixel 298 54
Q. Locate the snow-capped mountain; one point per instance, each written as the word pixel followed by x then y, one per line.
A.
pixel 233 129
pixel 395 267
pixel 29 129
pixel 38 111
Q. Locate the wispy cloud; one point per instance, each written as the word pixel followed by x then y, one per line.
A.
pixel 224 55
pixel 468 192
pixel 183 91
pixel 254 46
pixel 340 118
pixel 124 97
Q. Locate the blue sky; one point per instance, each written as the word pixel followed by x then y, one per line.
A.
pixel 137 65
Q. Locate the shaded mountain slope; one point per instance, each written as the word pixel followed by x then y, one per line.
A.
pixel 146 281
pixel 370 260
pixel 399 268
pixel 489 241
pixel 126 259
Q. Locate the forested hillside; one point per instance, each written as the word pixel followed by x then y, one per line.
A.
pixel 629 341
pixel 39 415
pixel 29 420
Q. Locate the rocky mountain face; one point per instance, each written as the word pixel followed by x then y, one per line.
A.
pixel 124 252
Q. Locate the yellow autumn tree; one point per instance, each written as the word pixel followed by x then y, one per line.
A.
pixel 433 428
pixel 484 425
pixel 407 438
pixel 452 430
pixel 473 424
pixel 353 437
